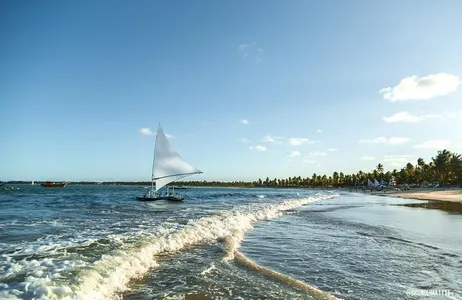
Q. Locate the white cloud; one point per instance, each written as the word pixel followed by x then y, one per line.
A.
pixel 404 116
pixel 437 144
pixel 258 148
pixel 398 160
pixel 316 153
pixel 250 51
pixel 293 154
pixel 300 141
pixel 332 149
pixel 367 157
pixel 384 140
pixel 319 130
pixel 272 139
pixel 244 121
pixel 245 47
pixel 244 140
pixel 415 88
pixel 146 131
pixel 309 161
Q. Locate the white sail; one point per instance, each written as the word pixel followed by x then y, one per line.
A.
pixel 168 165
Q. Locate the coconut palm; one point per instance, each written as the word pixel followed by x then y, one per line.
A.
pixel 442 162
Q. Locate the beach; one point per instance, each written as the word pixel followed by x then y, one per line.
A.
pixel 438 194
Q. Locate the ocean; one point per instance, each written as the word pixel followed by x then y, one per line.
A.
pixel 98 242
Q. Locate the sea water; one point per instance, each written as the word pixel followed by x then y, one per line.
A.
pixel 98 242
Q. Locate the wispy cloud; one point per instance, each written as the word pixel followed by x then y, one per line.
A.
pixel 244 140
pixel 415 88
pixel 293 154
pixel 251 51
pixel 366 157
pixel 310 157
pixel 300 141
pixel 244 121
pixel 146 131
pixel 398 160
pixel 259 148
pixel 319 130
pixel 243 48
pixel 308 161
pixel 436 144
pixel 316 153
pixel 332 149
pixel 384 140
pixel 404 116
pixel 272 139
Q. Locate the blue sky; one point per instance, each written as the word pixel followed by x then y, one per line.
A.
pixel 247 89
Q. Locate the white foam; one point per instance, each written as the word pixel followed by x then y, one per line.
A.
pixel 111 273
pixel 208 270
pixel 242 259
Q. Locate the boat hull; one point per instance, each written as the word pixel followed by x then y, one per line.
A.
pixel 167 198
pixel 53 184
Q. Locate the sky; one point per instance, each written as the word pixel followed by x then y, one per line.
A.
pixel 245 89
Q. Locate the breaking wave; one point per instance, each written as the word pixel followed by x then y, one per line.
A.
pixel 110 274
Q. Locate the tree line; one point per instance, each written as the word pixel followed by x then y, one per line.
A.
pixel 445 168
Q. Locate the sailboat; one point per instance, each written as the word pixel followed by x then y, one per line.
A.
pixel 167 166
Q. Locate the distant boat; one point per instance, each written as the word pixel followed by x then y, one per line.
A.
pixel 53 184
pixel 168 166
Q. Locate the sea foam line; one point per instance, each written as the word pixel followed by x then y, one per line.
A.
pixel 100 283
pixel 111 275
pixel 250 264
pixel 233 242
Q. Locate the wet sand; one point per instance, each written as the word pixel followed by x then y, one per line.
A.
pixel 436 194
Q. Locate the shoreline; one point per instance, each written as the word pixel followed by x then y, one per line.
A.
pixel 436 194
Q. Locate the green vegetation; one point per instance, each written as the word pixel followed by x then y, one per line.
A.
pixel 445 168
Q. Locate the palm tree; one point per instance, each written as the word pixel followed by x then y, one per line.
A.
pixel 420 162
pixel 456 167
pixel 441 162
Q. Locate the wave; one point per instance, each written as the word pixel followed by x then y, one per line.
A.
pixel 110 275
pixel 245 261
pixel 233 242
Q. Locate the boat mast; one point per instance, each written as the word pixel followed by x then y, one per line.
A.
pixel 154 160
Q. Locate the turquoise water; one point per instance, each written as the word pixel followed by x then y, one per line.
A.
pixel 97 242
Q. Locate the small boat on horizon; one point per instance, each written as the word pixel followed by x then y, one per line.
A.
pixel 53 184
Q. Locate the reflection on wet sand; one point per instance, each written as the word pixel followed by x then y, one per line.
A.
pixel 452 207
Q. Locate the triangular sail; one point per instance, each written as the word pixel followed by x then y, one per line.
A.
pixel 168 165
